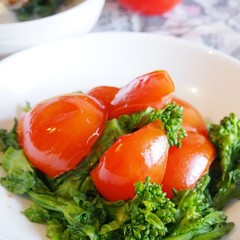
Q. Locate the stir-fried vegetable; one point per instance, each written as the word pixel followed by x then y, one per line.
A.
pixel 147 174
pixel 226 168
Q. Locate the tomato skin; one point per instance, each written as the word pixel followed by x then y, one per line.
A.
pixel 187 164
pixel 149 7
pixel 20 128
pixel 58 132
pixel 192 118
pixel 130 159
pixel 104 94
pixel 153 89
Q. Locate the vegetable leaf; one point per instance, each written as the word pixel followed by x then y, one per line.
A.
pixel 196 216
pixel 21 177
pixel 9 138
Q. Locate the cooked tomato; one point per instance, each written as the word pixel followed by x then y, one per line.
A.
pixel 58 132
pixel 149 7
pixel 187 164
pixel 154 89
pixel 192 118
pixel 130 159
pixel 20 128
pixel 104 94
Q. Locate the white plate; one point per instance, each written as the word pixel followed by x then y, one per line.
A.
pixel 208 79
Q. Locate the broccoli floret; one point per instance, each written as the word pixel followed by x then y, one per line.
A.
pixel 170 115
pixel 146 216
pixel 225 172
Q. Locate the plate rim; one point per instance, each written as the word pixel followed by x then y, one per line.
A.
pixel 128 34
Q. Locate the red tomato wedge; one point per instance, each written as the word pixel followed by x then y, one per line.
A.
pixel 187 164
pixel 58 132
pixel 154 89
pixel 149 7
pixel 104 94
pixel 130 159
pixel 192 118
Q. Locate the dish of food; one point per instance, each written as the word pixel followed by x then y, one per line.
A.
pixel 45 23
pixel 18 10
pixel 201 77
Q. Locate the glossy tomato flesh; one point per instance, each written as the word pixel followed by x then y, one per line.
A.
pixel 104 94
pixel 149 7
pixel 130 159
pixel 58 132
pixel 154 89
pixel 187 164
pixel 192 119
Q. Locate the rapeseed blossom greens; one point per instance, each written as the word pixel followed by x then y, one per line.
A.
pixel 72 208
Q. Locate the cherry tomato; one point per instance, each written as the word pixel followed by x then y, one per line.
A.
pixel 20 128
pixel 104 94
pixel 58 132
pixel 149 7
pixel 154 89
pixel 130 159
pixel 187 164
pixel 192 119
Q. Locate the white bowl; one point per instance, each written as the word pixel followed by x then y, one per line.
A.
pixel 78 19
pixel 204 77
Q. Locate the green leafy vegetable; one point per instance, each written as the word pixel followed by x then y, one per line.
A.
pixel 144 217
pixel 38 8
pixel 226 170
pixel 171 116
pixel 71 207
pixel 9 138
pixel 196 216
pixel 21 177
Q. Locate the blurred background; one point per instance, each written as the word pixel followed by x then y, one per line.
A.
pixel 215 23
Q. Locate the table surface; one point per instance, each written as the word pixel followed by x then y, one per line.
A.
pixel 214 23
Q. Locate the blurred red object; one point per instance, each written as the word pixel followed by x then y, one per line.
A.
pixel 149 7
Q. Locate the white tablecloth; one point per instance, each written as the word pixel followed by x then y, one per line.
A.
pixel 215 23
